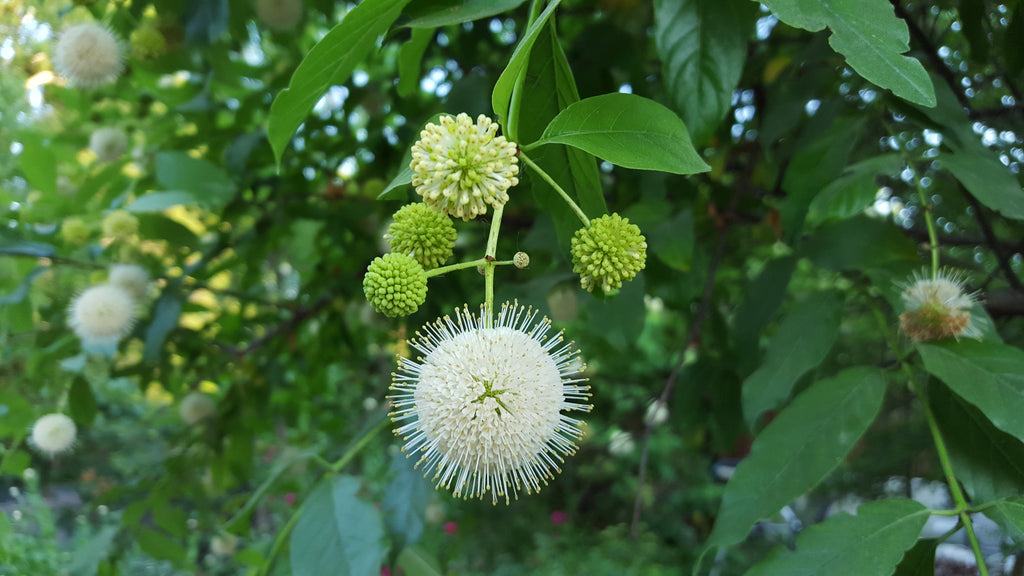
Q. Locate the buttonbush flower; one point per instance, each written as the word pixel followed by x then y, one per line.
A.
pixel 608 252
pixel 938 309
pixel 53 434
pixel 120 224
pixel 196 407
pixel 280 15
pixel 74 231
pixel 88 55
pixel 102 315
pixel 132 278
pixel 460 167
pixel 395 285
pixel 485 407
pixel 147 43
pixel 423 233
pixel 108 144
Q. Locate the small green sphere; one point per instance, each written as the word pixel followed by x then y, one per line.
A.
pixel 423 233
pixel 147 43
pixel 395 285
pixel 120 224
pixel 74 231
pixel 608 252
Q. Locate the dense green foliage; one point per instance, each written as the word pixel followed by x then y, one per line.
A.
pixel 791 165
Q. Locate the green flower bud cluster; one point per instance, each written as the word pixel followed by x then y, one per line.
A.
pixel 395 285
pixel 120 224
pixel 423 233
pixel 608 252
pixel 74 231
pixel 147 43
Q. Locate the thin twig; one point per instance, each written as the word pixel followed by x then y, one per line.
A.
pixel 297 318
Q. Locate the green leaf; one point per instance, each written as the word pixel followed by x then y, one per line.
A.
pixel 854 244
pixel 26 248
pixel 416 562
pixel 802 342
pixel 405 501
pixel 761 299
pixel 337 533
pixel 82 401
pixel 919 560
pixel 160 546
pixel 16 413
pixel 395 190
pixel 19 293
pixel 703 45
pixel 797 450
pixel 434 13
pixel 549 87
pixel 673 241
pixel 619 319
pixel 988 462
pixel 871 37
pixel 39 165
pixel 501 96
pixel 160 201
pixel 330 62
pixel 1009 514
pixel 987 180
pixel 986 374
pixel 209 185
pixel 626 130
pixel 165 319
pixel 855 190
pixel 15 463
pixel 86 558
pixel 868 544
pixel 409 57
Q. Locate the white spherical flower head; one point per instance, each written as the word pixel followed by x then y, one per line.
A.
pixel 656 415
pixel 485 407
pixel 102 315
pixel 53 434
pixel 132 278
pixel 460 167
pixel 621 443
pixel 938 308
pixel 108 144
pixel 224 545
pixel 88 55
pixel 196 407
pixel 280 15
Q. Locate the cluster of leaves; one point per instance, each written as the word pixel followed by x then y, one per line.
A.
pixel 766 317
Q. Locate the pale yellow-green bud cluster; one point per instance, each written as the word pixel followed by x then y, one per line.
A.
pixel 395 285
pixel 120 224
pixel 74 231
pixel 147 43
pixel 423 233
pixel 608 252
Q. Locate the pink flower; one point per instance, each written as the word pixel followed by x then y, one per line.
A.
pixel 290 498
pixel 558 517
pixel 450 527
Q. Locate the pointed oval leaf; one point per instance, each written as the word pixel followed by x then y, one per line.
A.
pixel 434 13
pixel 501 95
pixel 987 180
pixel 626 130
pixel 802 446
pixel 868 544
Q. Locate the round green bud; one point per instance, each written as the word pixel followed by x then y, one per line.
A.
pixel 608 252
pixel 395 285
pixel 423 233
pixel 74 231
pixel 147 43
pixel 521 260
pixel 120 224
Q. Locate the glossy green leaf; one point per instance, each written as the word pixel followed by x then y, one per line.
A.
pixel 409 58
pixel 986 374
pixel 208 184
pixel 165 319
pixel 405 501
pixel 988 462
pixel 854 190
pixel 626 130
pixel 1009 514
pixel 331 61
pixel 434 13
pixel 501 95
pixel 798 449
pixel 801 343
pixel 337 533
pixel 548 88
pixel 987 180
pixel 919 560
pixel 870 36
pixel 868 544
pixel 853 245
pixel 82 403
pixel 703 45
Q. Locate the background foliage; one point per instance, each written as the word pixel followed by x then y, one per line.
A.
pixel 767 313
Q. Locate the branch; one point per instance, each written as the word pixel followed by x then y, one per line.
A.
pixel 297 318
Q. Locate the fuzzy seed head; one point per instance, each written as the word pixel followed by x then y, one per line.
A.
pixel 608 252
pixel 395 285
pixel 102 315
pixel 53 434
pixel 108 144
pixel 521 260
pixel 485 407
pixel 279 15
pixel 460 167
pixel 74 231
pixel 423 233
pixel 621 443
pixel 147 43
pixel 88 55
pixel 132 278
pixel 120 224
pixel 937 309
pixel 196 407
